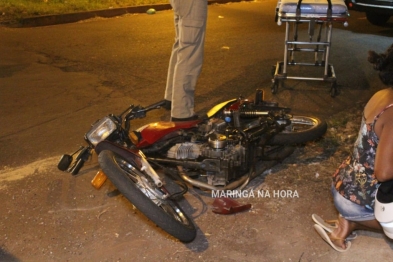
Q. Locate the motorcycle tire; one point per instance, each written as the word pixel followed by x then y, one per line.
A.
pixel 168 215
pixel 303 129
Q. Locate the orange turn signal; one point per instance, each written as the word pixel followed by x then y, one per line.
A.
pixel 134 137
pixel 98 179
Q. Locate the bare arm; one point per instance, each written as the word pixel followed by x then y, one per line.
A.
pixel 383 168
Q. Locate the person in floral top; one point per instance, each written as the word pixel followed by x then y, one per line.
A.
pixel 357 179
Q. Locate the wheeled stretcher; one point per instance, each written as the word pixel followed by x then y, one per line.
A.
pixel 319 15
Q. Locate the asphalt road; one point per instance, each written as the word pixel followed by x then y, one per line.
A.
pixel 57 80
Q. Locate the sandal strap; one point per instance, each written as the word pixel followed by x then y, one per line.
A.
pixel 332 221
pixel 336 238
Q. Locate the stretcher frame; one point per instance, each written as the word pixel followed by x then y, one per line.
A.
pixel 315 18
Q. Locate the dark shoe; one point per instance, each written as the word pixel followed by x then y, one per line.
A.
pixel 191 118
pixel 167 105
pixel 166 117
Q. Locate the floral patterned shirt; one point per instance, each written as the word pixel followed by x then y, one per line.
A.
pixel 354 179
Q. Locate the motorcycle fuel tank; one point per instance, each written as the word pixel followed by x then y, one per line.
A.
pixel 151 133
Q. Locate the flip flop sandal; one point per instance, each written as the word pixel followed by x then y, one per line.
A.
pixel 322 233
pixel 330 225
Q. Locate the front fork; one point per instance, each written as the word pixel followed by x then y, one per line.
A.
pixel 136 157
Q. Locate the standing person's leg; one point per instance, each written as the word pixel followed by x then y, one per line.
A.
pixel 173 59
pixel 191 28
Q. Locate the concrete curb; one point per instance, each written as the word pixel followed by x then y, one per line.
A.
pixel 79 16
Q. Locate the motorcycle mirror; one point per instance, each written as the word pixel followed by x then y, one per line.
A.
pixel 64 162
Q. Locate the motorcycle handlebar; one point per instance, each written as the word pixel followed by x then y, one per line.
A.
pixel 78 165
pixel 157 105
pixel 140 112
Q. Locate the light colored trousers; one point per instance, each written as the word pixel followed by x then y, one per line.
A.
pixel 186 60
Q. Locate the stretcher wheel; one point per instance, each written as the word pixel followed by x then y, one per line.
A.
pixel 334 90
pixel 273 70
pixel 275 86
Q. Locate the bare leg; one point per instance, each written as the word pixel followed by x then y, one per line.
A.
pixel 345 228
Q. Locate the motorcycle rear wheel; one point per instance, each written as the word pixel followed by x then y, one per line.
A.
pixel 167 214
pixel 302 130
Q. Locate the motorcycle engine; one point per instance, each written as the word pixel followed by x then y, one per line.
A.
pixel 220 152
pixel 217 146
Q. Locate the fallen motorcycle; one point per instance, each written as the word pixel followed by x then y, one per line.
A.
pixel 152 166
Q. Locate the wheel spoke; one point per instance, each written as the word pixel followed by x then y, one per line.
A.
pixel 137 187
pixel 299 124
pixel 156 195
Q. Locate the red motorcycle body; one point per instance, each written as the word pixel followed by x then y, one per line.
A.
pixel 153 132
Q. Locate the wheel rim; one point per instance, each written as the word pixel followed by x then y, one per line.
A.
pixel 301 124
pixel 155 194
pixel 175 212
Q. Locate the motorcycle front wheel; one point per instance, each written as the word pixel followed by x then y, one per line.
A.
pixel 301 130
pixel 167 214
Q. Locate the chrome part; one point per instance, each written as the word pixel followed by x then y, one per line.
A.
pixel 146 167
pixel 142 182
pixel 217 141
pixel 240 183
pixel 184 151
pixel 298 123
pixel 101 130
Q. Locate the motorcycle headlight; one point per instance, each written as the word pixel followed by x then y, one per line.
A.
pixel 101 130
